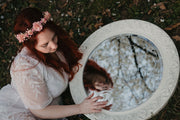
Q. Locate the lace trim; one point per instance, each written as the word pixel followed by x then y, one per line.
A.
pixel 25 60
pixel 22 63
pixel 22 116
pixel 26 68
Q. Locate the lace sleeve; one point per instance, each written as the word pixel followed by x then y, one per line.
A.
pixel 32 88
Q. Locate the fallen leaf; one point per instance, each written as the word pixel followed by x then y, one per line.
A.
pixel 69 13
pixel 3 6
pixel 108 11
pixel 82 34
pixel 3 61
pixel 177 37
pixel 135 2
pixel 167 12
pixel 65 3
pixel 90 27
pixel 62 3
pixel 149 12
pixel 172 26
pixel 66 23
pixel 160 5
pixel 84 18
pixel 97 25
pixel 77 26
pixel 71 33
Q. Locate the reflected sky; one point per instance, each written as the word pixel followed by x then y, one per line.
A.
pixel 135 66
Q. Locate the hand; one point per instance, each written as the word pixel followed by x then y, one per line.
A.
pixel 90 105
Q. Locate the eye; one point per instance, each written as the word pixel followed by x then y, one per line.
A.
pixel 105 88
pixel 45 45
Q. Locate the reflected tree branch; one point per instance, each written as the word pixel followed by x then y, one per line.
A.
pixel 137 66
pixel 145 50
pixel 131 89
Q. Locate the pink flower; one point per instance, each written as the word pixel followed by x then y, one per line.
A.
pixel 37 26
pixel 30 32
pixel 20 37
pixel 47 15
pixel 43 20
pixel 26 35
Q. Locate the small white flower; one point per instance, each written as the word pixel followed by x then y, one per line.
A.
pixel 113 14
pixel 2 17
pixel 162 20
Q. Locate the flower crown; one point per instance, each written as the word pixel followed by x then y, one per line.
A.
pixel 37 26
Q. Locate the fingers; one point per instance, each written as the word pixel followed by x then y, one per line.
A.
pixel 107 107
pixel 100 103
pixel 90 96
pixel 93 105
pixel 96 98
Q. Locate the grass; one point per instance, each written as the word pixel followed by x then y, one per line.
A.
pixel 81 18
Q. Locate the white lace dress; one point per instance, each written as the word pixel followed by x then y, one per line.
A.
pixel 33 86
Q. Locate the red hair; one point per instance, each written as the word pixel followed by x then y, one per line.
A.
pixel 25 20
pixel 93 70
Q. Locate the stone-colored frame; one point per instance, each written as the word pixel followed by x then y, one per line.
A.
pixel 171 68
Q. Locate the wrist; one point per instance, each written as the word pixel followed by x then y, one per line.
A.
pixel 79 109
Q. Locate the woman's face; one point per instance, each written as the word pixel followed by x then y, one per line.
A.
pixel 102 86
pixel 46 41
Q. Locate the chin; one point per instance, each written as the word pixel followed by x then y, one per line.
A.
pixel 53 51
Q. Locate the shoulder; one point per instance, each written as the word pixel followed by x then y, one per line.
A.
pixel 24 61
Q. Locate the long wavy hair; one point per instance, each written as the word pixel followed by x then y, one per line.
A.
pixel 92 71
pixel 24 21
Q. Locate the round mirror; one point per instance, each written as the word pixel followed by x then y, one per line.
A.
pixel 140 65
pixel 135 67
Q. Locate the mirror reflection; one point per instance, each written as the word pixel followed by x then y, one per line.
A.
pixel 125 70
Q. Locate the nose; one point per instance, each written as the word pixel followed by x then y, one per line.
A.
pixel 53 46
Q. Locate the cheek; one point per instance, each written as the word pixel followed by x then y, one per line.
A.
pixel 56 40
pixel 42 50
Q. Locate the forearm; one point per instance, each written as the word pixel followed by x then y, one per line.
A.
pixel 60 111
pixel 57 111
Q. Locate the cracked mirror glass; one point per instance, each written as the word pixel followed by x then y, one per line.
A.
pixel 125 70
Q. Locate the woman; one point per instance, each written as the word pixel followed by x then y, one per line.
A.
pixel 41 71
pixel 97 81
pixel 96 78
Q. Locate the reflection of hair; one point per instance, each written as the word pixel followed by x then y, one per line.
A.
pixel 92 73
pixel 25 20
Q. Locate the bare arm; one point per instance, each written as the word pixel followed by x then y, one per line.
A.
pixel 59 111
